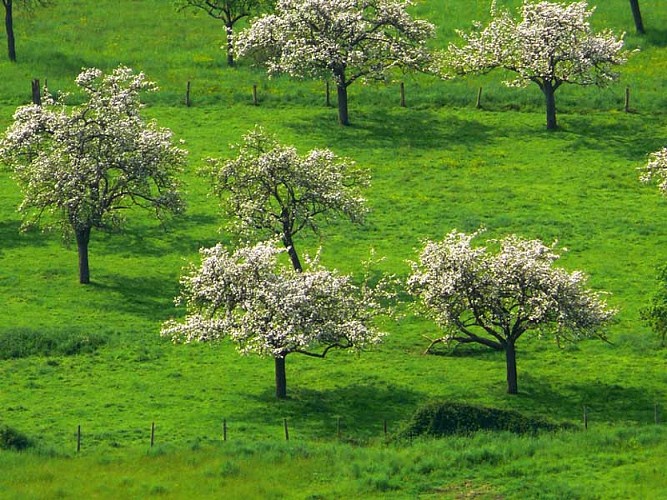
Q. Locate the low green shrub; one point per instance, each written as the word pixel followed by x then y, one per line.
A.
pixel 12 439
pixel 447 418
pixel 24 342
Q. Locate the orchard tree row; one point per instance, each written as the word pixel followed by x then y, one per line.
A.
pixel 344 41
pixel 80 167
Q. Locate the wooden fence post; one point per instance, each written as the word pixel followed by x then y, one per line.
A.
pixel 224 430
pixel 585 417
pixel 254 94
pixel 627 100
pixel 187 95
pixel 402 94
pixel 152 434
pixel 478 104
pixel 78 438
pixel 36 95
pixel 286 429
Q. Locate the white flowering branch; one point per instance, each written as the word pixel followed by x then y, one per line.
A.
pixel 492 299
pixel 550 44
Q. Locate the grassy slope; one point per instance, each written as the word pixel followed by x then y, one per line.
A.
pixel 437 165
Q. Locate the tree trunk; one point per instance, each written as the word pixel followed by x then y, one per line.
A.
pixel 9 28
pixel 281 378
pixel 291 251
pixel 230 45
pixel 510 358
pixel 343 117
pixel 637 15
pixel 550 98
pixel 82 239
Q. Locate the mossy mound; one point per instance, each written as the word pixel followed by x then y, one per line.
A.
pixel 11 439
pixel 447 418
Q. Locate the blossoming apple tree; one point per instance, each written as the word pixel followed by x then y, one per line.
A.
pixel 271 309
pixel 271 191
pixel 550 45
pixel 342 40
pixel 656 169
pixel 230 12
pixel 79 167
pixel 494 298
pixel 655 314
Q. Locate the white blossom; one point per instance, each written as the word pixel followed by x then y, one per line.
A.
pixel 550 44
pixel 270 309
pixel 272 190
pixel 80 166
pixel 341 40
pixel 493 298
pixel 656 169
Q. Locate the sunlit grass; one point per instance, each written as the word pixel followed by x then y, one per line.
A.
pixel 436 165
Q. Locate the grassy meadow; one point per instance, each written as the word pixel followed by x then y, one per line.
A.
pixel 91 356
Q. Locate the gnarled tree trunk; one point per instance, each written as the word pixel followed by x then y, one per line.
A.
pixel 549 91
pixel 343 117
pixel 9 28
pixel 510 358
pixel 82 240
pixel 230 44
pixel 637 15
pixel 281 378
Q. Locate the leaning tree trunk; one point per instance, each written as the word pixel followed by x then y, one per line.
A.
pixel 343 117
pixel 82 240
pixel 9 28
pixel 281 378
pixel 510 358
pixel 291 251
pixel 549 91
pixel 230 44
pixel 637 15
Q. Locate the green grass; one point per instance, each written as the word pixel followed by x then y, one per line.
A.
pixel 437 165
pixel 605 463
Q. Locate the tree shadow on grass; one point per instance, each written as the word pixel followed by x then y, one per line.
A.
pixel 11 236
pixel 627 138
pixel 361 409
pixel 656 37
pixel 147 296
pixel 392 129
pixel 605 402
pixel 158 241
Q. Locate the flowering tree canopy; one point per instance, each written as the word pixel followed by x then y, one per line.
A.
pixel 656 169
pixel 271 309
pixel 271 190
pixel 492 299
pixel 229 12
pixel 79 166
pixel 345 40
pixel 551 44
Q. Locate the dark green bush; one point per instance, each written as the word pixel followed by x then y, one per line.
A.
pixel 446 418
pixel 24 342
pixel 11 439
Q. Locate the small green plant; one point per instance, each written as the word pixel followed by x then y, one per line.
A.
pixel 24 342
pixel 655 314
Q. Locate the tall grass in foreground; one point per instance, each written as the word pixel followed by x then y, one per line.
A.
pixel 604 463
